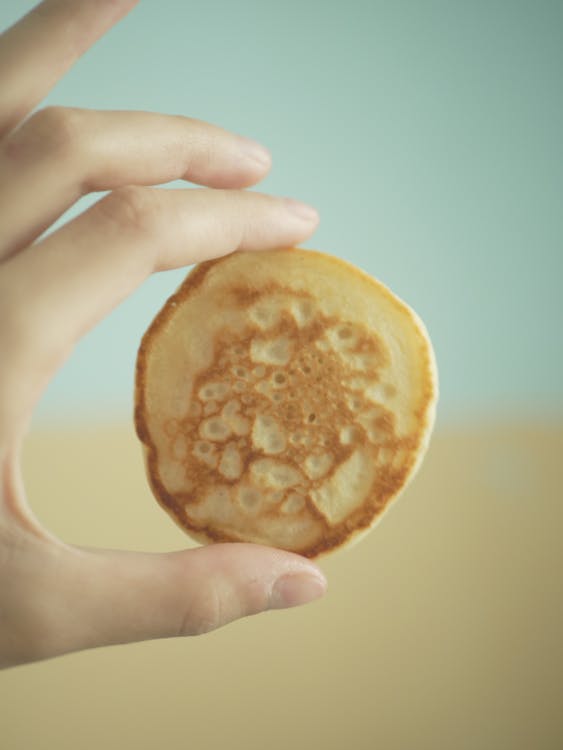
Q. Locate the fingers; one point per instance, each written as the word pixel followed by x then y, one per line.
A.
pixel 196 591
pixel 61 153
pixel 39 49
pixel 65 599
pixel 90 264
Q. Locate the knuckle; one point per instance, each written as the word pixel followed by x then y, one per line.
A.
pixel 131 208
pixel 61 129
pixel 203 614
pixel 55 131
pixel 201 157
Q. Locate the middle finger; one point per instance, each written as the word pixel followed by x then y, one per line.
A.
pixel 60 154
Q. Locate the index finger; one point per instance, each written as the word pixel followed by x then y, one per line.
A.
pixel 43 45
pixel 52 293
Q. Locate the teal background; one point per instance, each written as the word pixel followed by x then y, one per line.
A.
pixel 428 135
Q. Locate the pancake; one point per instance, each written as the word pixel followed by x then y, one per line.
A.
pixel 284 398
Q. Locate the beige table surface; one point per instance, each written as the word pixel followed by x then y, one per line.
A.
pixel 443 629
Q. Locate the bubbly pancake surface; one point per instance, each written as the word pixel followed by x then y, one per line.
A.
pixel 284 398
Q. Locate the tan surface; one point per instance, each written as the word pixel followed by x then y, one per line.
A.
pixel 441 630
pixel 285 397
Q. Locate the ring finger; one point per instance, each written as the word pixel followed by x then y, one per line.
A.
pixel 61 153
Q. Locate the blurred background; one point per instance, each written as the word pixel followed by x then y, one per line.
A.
pixel 428 135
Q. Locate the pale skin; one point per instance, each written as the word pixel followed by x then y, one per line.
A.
pixel 56 598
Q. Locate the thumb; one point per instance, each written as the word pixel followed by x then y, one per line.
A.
pixel 119 597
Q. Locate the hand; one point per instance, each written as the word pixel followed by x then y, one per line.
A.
pixel 56 598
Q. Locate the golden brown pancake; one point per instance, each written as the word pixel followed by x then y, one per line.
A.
pixel 284 398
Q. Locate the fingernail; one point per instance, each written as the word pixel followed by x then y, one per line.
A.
pixel 294 589
pixel 255 151
pixel 302 210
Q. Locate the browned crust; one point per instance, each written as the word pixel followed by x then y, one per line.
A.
pixel 359 521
